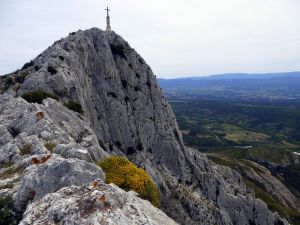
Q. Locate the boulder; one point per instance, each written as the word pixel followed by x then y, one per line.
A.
pixel 49 174
pixel 95 204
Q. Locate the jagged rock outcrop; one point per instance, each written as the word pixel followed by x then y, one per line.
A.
pixel 27 139
pixel 53 175
pixel 95 204
pixel 23 129
pixel 129 114
pixel 31 170
pixel 272 185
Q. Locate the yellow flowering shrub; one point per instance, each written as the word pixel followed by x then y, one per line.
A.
pixel 128 176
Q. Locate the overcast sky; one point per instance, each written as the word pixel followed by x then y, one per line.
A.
pixel 176 37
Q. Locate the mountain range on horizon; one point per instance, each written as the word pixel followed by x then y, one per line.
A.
pixel 269 86
pixel 238 76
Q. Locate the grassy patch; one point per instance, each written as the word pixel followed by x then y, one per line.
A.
pixel 240 135
pixel 26 149
pixel 270 153
pixel 10 172
pixel 6 164
pixel 6 186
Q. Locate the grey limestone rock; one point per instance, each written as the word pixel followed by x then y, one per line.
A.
pixel 50 176
pixel 94 204
pixel 23 133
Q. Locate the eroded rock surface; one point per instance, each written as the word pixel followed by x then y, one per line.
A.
pixel 96 204
pixel 52 175
pixel 24 133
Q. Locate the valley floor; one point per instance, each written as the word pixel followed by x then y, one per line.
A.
pixel 261 140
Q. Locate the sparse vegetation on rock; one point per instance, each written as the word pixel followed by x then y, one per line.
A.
pixel 8 213
pixel 27 65
pixel 127 176
pixel 38 96
pixel 52 70
pixel 75 106
pixel 26 149
pixel 50 146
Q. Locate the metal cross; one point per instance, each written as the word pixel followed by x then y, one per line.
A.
pixel 107 9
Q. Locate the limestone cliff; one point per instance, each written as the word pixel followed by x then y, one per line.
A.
pixel 126 110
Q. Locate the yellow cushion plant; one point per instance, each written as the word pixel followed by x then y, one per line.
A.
pixel 128 176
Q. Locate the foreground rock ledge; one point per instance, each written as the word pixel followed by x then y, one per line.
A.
pixel 96 204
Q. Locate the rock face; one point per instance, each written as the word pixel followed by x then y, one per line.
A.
pixel 130 116
pixel 52 175
pixel 96 204
pixel 22 129
pixel 272 185
pixel 28 141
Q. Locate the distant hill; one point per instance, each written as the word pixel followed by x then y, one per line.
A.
pixel 271 86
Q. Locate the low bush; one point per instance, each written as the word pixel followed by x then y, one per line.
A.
pixel 27 65
pixel 38 96
pixel 127 176
pixel 74 106
pixel 52 70
pixel 8 213
pixel 118 50
pixel 50 146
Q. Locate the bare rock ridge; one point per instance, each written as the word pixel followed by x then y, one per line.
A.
pixel 56 190
pixel 98 204
pixel 125 109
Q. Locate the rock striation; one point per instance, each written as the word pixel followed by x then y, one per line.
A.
pixel 95 204
pixel 126 113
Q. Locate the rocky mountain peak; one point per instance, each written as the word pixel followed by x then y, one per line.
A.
pixel 124 113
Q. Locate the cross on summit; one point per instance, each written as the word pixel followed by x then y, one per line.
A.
pixel 108 28
pixel 107 9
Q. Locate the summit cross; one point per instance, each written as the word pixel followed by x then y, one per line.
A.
pixel 108 28
pixel 107 10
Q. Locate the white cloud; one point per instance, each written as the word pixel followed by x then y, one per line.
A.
pixel 176 37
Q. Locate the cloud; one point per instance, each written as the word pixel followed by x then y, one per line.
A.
pixel 177 38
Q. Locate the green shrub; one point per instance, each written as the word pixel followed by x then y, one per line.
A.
pixel 8 213
pixel 50 146
pixel 38 96
pixel 27 65
pixel 127 176
pixel 75 106
pixel 8 82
